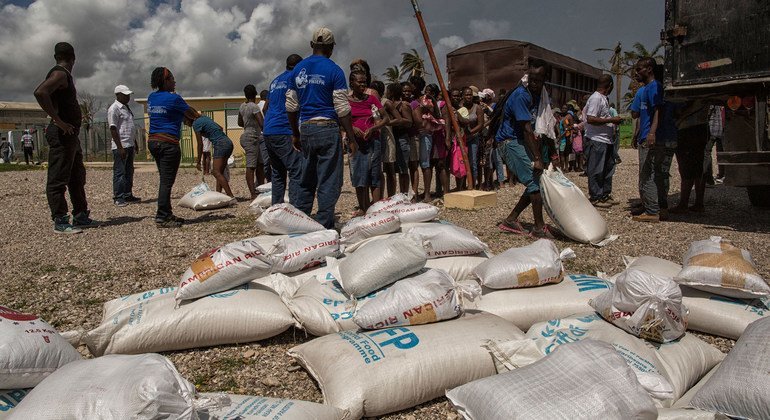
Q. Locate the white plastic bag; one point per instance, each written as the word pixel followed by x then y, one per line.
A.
pixel 223 268
pixel 446 240
pixel 530 305
pixel 414 213
pixel 372 373
pixel 302 252
pixel 148 322
pixel 681 363
pixel 533 265
pixel 145 386
pixel 570 210
pixel 740 387
pixel 644 304
pixel 285 219
pixel 202 198
pixel 717 266
pixel 378 264
pixel 424 298
pixel 388 203
pixel 460 268
pixel 368 226
pixel 580 380
pixel 246 407
pixel 30 349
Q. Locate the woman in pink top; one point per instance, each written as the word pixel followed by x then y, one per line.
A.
pixel 365 162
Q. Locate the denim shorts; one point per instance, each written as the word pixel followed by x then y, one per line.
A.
pixel 517 158
pixel 366 164
pixel 223 148
pixel 426 148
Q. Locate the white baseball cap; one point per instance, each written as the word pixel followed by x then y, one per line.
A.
pixel 323 36
pixel 123 89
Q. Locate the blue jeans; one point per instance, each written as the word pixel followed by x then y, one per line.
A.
pixel 284 160
pixel 600 169
pixel 648 190
pixel 497 160
pixel 366 163
pixel 122 174
pixel 473 156
pixel 426 149
pixel 167 157
pixel 266 158
pixel 223 148
pixel 321 171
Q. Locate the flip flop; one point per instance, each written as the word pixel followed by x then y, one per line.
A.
pixel 517 229
pixel 543 234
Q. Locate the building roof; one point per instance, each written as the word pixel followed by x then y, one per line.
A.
pixel 20 106
pixel 537 51
pixel 202 98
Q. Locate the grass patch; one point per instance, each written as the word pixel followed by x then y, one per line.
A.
pixel 7 167
pixel 626 133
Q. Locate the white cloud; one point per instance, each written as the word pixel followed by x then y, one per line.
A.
pixel 483 29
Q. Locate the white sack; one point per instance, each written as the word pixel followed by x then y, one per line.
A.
pixel 740 387
pixel 9 399
pixel 688 414
pixel 378 264
pixel 530 305
pixel 202 198
pixel 263 201
pixel 681 363
pixel 686 399
pixel 377 372
pixel 285 219
pixel 223 268
pixel 459 268
pixel 423 298
pixel 388 203
pixel 446 240
pixel 570 210
pixel 580 380
pixel 246 407
pixel 266 187
pixel 717 266
pixel 30 349
pixel 147 321
pixel 644 304
pixel 709 313
pixel 533 265
pixel 145 386
pixel 302 252
pixel 414 213
pixel 368 226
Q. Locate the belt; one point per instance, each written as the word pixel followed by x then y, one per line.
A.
pixel 321 122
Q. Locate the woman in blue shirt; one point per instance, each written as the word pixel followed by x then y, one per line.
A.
pixel 204 126
pixel 166 110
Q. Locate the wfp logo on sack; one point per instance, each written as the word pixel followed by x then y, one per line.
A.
pixel 585 282
pixel 371 346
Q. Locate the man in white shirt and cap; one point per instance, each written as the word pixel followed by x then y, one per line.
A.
pixel 123 131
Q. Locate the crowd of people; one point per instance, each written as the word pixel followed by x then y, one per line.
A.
pixel 397 136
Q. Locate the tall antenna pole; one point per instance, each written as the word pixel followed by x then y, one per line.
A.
pixel 445 93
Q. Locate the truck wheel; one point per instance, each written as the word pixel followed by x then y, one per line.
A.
pixel 759 195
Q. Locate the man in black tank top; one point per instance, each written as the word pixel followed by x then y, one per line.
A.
pixel 58 98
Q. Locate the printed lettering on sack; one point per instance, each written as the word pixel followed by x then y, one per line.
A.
pixel 342 309
pixel 370 345
pixel 204 266
pixel 150 293
pixel 586 283
pixel 260 407
pixel 9 399
pixel 750 306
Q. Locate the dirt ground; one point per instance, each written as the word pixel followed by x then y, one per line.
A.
pixel 66 279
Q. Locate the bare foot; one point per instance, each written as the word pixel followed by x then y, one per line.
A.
pixel 427 198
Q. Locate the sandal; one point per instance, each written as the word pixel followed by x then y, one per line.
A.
pixel 545 233
pixel 516 228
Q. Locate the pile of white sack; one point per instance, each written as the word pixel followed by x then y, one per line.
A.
pixel 202 198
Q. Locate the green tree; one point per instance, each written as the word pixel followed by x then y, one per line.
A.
pixel 621 63
pixel 616 66
pixel 412 63
pixel 392 74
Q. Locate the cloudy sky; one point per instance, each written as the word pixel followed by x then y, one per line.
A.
pixel 215 47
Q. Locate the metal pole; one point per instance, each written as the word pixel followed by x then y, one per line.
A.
pixel 445 93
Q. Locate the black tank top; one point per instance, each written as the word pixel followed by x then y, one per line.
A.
pixel 66 100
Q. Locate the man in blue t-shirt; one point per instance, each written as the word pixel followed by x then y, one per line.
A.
pixel 284 159
pixel 647 106
pixel 524 153
pixel 316 106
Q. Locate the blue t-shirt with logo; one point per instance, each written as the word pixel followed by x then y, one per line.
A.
pixel 315 79
pixel 166 111
pixel 521 106
pixel 209 129
pixel 276 121
pixel 650 96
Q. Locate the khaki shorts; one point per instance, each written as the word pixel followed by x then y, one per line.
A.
pixel 388 145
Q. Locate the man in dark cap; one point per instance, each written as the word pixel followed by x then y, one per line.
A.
pixel 58 98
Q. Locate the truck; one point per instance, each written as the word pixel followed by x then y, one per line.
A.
pixel 719 52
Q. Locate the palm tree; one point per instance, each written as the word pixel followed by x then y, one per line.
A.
pixel 392 74
pixel 617 66
pixel 412 63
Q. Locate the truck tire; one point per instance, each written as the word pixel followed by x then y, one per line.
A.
pixel 759 195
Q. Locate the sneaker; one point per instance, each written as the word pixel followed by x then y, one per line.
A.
pixel 609 199
pixel 600 204
pixel 618 161
pixel 719 180
pixel 168 223
pixel 63 226
pixel 132 199
pixel 82 220
pixel 649 218
pixel 636 211
pixel 120 203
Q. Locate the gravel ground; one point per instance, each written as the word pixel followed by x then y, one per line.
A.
pixel 66 279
